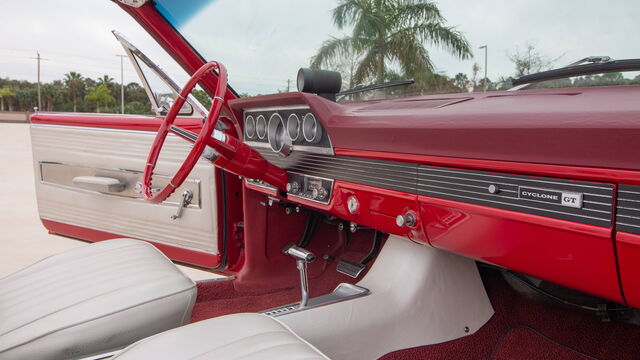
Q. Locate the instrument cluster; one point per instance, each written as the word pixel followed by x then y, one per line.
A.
pixel 284 129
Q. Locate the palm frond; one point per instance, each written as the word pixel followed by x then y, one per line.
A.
pixel 409 52
pixel 331 50
pixel 410 12
pixel 346 12
pixel 367 67
pixel 442 36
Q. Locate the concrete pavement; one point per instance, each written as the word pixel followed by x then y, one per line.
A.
pixel 23 238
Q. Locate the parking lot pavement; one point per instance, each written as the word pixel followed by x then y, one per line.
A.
pixel 23 239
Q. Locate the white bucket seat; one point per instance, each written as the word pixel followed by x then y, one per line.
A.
pixel 91 300
pixel 237 336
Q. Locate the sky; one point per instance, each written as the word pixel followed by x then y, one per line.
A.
pixel 263 43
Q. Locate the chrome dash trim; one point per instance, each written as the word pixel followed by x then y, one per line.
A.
pixel 473 186
pixel 276 108
pixel 628 209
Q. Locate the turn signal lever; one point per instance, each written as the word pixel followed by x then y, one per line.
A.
pixel 303 257
pixel 239 158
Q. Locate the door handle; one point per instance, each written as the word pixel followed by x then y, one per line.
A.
pixel 99 183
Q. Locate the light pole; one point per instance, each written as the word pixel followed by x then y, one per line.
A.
pixel 121 81
pixel 39 95
pixel 485 65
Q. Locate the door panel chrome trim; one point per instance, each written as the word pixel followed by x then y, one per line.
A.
pixel 62 174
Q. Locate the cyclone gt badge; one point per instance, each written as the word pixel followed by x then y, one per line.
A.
pixel 556 197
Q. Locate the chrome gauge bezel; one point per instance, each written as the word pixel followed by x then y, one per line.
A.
pixel 261 127
pixel 311 129
pixel 293 127
pixel 277 130
pixel 250 127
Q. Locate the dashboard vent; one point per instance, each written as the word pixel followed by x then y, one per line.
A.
pixel 628 209
pixel 503 191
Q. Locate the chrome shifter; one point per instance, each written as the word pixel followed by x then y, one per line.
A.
pixel 303 257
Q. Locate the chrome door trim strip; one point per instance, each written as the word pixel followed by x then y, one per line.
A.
pixel 91 128
pixel 195 204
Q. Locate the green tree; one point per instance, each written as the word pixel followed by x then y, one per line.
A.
pixel 106 80
pixel 136 107
pixel 390 31
pixel 202 97
pixel 5 93
pixel 74 83
pixel 462 82
pixel 50 95
pixel 27 98
pixel 530 61
pixel 100 95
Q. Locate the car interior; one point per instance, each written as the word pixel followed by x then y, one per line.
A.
pixel 486 225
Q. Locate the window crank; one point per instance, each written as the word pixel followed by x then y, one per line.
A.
pixel 187 196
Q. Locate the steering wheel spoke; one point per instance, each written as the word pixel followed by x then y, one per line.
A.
pixel 222 150
pixel 183 133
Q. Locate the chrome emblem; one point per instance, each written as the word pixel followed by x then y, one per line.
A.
pixel 562 198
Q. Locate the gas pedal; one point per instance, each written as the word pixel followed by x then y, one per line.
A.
pixel 350 268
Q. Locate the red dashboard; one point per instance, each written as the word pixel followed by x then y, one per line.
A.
pixel 485 176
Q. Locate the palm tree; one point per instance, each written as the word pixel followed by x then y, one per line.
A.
pixel 100 95
pixel 390 31
pixel 74 83
pixel 50 94
pixel 105 79
pixel 5 93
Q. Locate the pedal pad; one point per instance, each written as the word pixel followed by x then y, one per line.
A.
pixel 350 268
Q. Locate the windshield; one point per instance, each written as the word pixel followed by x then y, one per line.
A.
pixel 262 54
pixel 264 43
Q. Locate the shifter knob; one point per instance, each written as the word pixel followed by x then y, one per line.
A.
pixel 299 253
pixel 303 257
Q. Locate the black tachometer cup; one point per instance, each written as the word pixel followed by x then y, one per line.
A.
pixel 321 82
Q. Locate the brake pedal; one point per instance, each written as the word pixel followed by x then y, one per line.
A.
pixel 350 268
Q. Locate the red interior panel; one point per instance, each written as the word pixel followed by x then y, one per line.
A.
pixel 628 246
pixel 577 255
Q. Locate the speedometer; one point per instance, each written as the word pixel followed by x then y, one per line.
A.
pixel 279 141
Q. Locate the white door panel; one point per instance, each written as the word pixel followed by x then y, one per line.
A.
pixel 78 148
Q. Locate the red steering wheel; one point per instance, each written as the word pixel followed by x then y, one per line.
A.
pixel 229 152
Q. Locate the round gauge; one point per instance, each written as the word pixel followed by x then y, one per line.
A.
pixel 278 139
pixel 250 127
pixel 261 127
pixel 311 129
pixel 293 127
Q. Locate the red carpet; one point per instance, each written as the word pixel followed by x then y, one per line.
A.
pixel 519 329
pixel 526 343
pixel 219 298
pixel 584 333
